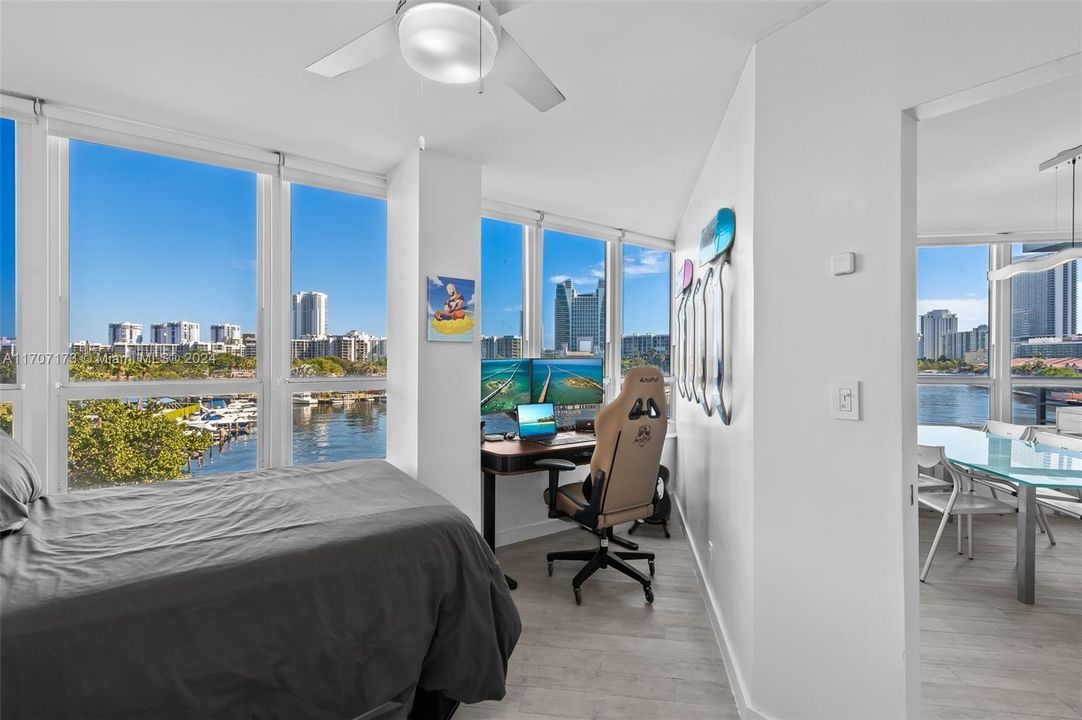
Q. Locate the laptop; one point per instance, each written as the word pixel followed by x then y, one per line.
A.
pixel 537 423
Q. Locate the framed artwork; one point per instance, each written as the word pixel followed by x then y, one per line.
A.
pixel 452 309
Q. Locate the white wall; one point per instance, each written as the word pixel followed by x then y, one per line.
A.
pixel 434 228
pixel 717 472
pixel 831 574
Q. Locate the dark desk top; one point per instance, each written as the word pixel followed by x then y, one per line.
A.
pixel 512 457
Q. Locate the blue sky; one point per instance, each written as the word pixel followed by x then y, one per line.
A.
pixel 340 248
pixel 154 239
pixel 955 279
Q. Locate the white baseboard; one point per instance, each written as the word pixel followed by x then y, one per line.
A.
pixel 736 680
pixel 541 528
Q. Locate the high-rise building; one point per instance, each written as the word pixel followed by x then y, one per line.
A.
pixel 1044 304
pixel 501 346
pixel 956 345
pixel 632 345
pixel 179 332
pixel 310 315
pixel 226 333
pixel 126 333
pixel 579 319
pixel 934 326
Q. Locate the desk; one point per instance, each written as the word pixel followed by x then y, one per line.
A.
pixel 517 457
pixel 1026 464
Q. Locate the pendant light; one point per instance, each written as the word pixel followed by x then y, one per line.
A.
pixel 1060 257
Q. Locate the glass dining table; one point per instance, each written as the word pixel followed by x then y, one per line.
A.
pixel 1027 464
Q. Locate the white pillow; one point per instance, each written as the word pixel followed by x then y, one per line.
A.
pixel 20 484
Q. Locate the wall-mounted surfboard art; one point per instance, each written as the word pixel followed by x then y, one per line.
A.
pixel 687 275
pixel 702 355
pixel 680 348
pixel 717 237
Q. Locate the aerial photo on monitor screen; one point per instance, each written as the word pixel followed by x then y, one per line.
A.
pixel 504 385
pixel 568 382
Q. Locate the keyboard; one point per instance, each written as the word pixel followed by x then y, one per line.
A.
pixel 565 439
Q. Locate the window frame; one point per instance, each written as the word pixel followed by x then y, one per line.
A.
pixel 283 293
pixel 43 391
pixel 1000 379
pixel 273 387
pixel 533 253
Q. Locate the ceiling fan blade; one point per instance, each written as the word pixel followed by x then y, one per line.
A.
pixel 373 45
pixel 505 6
pixel 515 69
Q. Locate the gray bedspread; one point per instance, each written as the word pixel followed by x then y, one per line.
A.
pixel 320 592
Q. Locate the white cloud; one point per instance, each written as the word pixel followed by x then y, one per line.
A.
pixel 435 281
pixel 557 279
pixel 971 311
pixel 513 308
pixel 648 262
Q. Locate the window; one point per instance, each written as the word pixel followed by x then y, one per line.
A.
pixel 145 440
pixel 8 367
pixel 162 258
pixel 501 287
pixel 1036 405
pixel 952 404
pixel 646 296
pixel 339 426
pixel 339 295
pixel 338 320
pixel 573 296
pixel 951 338
pixel 7 418
pixel 1044 318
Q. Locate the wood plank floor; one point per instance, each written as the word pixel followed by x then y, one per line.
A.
pixel 986 655
pixel 614 656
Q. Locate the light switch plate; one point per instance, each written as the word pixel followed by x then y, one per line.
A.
pixel 843 263
pixel 845 399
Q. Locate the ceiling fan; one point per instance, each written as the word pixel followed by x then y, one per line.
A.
pixel 450 41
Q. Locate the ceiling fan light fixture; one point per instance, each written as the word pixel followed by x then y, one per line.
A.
pixel 449 42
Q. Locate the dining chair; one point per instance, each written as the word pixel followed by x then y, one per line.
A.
pixel 1066 503
pixel 928 458
pixel 994 484
pixel 1005 429
pixel 958 502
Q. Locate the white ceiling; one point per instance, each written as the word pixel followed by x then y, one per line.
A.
pixel 647 85
pixel 977 170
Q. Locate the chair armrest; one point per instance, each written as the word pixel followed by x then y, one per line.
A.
pixel 555 466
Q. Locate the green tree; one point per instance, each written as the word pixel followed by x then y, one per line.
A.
pixel 111 442
pixel 318 367
pixel 6 417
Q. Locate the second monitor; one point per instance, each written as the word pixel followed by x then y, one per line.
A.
pixel 578 381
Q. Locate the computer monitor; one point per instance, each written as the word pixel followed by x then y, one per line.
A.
pixel 568 381
pixel 505 384
pixel 536 421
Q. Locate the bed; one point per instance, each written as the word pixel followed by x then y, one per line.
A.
pixel 334 591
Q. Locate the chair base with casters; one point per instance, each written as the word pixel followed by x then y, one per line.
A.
pixel 595 558
pixel 602 557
